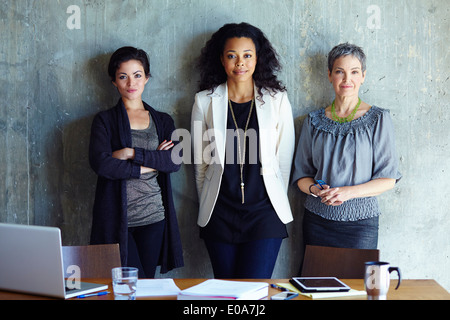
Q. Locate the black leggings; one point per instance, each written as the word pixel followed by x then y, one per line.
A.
pixel 144 248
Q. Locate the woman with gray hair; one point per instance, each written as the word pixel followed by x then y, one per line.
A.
pixel 345 157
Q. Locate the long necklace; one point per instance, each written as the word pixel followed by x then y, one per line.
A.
pixel 344 119
pixel 242 154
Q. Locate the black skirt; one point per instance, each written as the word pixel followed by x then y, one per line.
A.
pixel 256 219
pixel 361 234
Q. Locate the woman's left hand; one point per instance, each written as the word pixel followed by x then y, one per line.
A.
pixel 335 196
pixel 166 145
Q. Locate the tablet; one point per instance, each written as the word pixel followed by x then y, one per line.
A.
pixel 319 284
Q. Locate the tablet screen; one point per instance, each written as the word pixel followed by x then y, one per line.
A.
pixel 310 284
pixel 321 283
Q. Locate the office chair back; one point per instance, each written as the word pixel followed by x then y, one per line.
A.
pixel 341 263
pixel 95 261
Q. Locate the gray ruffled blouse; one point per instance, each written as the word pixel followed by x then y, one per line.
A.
pixel 346 154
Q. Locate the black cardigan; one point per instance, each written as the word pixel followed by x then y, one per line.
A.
pixel 110 132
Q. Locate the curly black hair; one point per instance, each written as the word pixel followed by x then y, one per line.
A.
pixel 212 72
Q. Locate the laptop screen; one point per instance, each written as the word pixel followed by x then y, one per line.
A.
pixel 31 260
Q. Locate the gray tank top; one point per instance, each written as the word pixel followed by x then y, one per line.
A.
pixel 145 204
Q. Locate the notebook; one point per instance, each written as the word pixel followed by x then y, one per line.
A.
pixel 31 262
pixel 214 289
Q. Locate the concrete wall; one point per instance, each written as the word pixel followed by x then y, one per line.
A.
pixel 53 80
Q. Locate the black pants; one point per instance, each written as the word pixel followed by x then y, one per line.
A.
pixel 144 248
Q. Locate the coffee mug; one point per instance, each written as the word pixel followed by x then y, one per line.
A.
pixel 377 279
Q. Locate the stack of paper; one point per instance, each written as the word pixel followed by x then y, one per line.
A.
pixel 156 287
pixel 226 290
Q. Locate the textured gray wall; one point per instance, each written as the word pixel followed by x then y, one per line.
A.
pixel 53 80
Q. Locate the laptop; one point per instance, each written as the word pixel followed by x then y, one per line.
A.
pixel 31 262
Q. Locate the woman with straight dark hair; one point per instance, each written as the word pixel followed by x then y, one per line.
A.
pixel 130 150
pixel 243 161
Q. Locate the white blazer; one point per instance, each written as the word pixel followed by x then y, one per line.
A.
pixel 277 143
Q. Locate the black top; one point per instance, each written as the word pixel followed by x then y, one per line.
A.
pixel 232 221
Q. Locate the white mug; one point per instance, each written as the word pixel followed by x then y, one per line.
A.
pixel 377 279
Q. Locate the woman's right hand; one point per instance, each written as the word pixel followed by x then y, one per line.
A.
pixel 146 170
pixel 124 154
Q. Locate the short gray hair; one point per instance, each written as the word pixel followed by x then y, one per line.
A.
pixel 345 49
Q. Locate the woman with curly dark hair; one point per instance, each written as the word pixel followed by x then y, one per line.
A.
pixel 243 158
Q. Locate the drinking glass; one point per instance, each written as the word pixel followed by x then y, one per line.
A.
pixel 124 281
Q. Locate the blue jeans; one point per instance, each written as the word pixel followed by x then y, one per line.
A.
pixel 250 260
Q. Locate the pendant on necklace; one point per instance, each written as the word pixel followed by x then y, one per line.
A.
pixel 241 152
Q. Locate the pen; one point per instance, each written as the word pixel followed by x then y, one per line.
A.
pixel 93 294
pixel 278 287
pixel 320 184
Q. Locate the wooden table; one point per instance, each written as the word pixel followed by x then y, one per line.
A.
pixel 409 290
